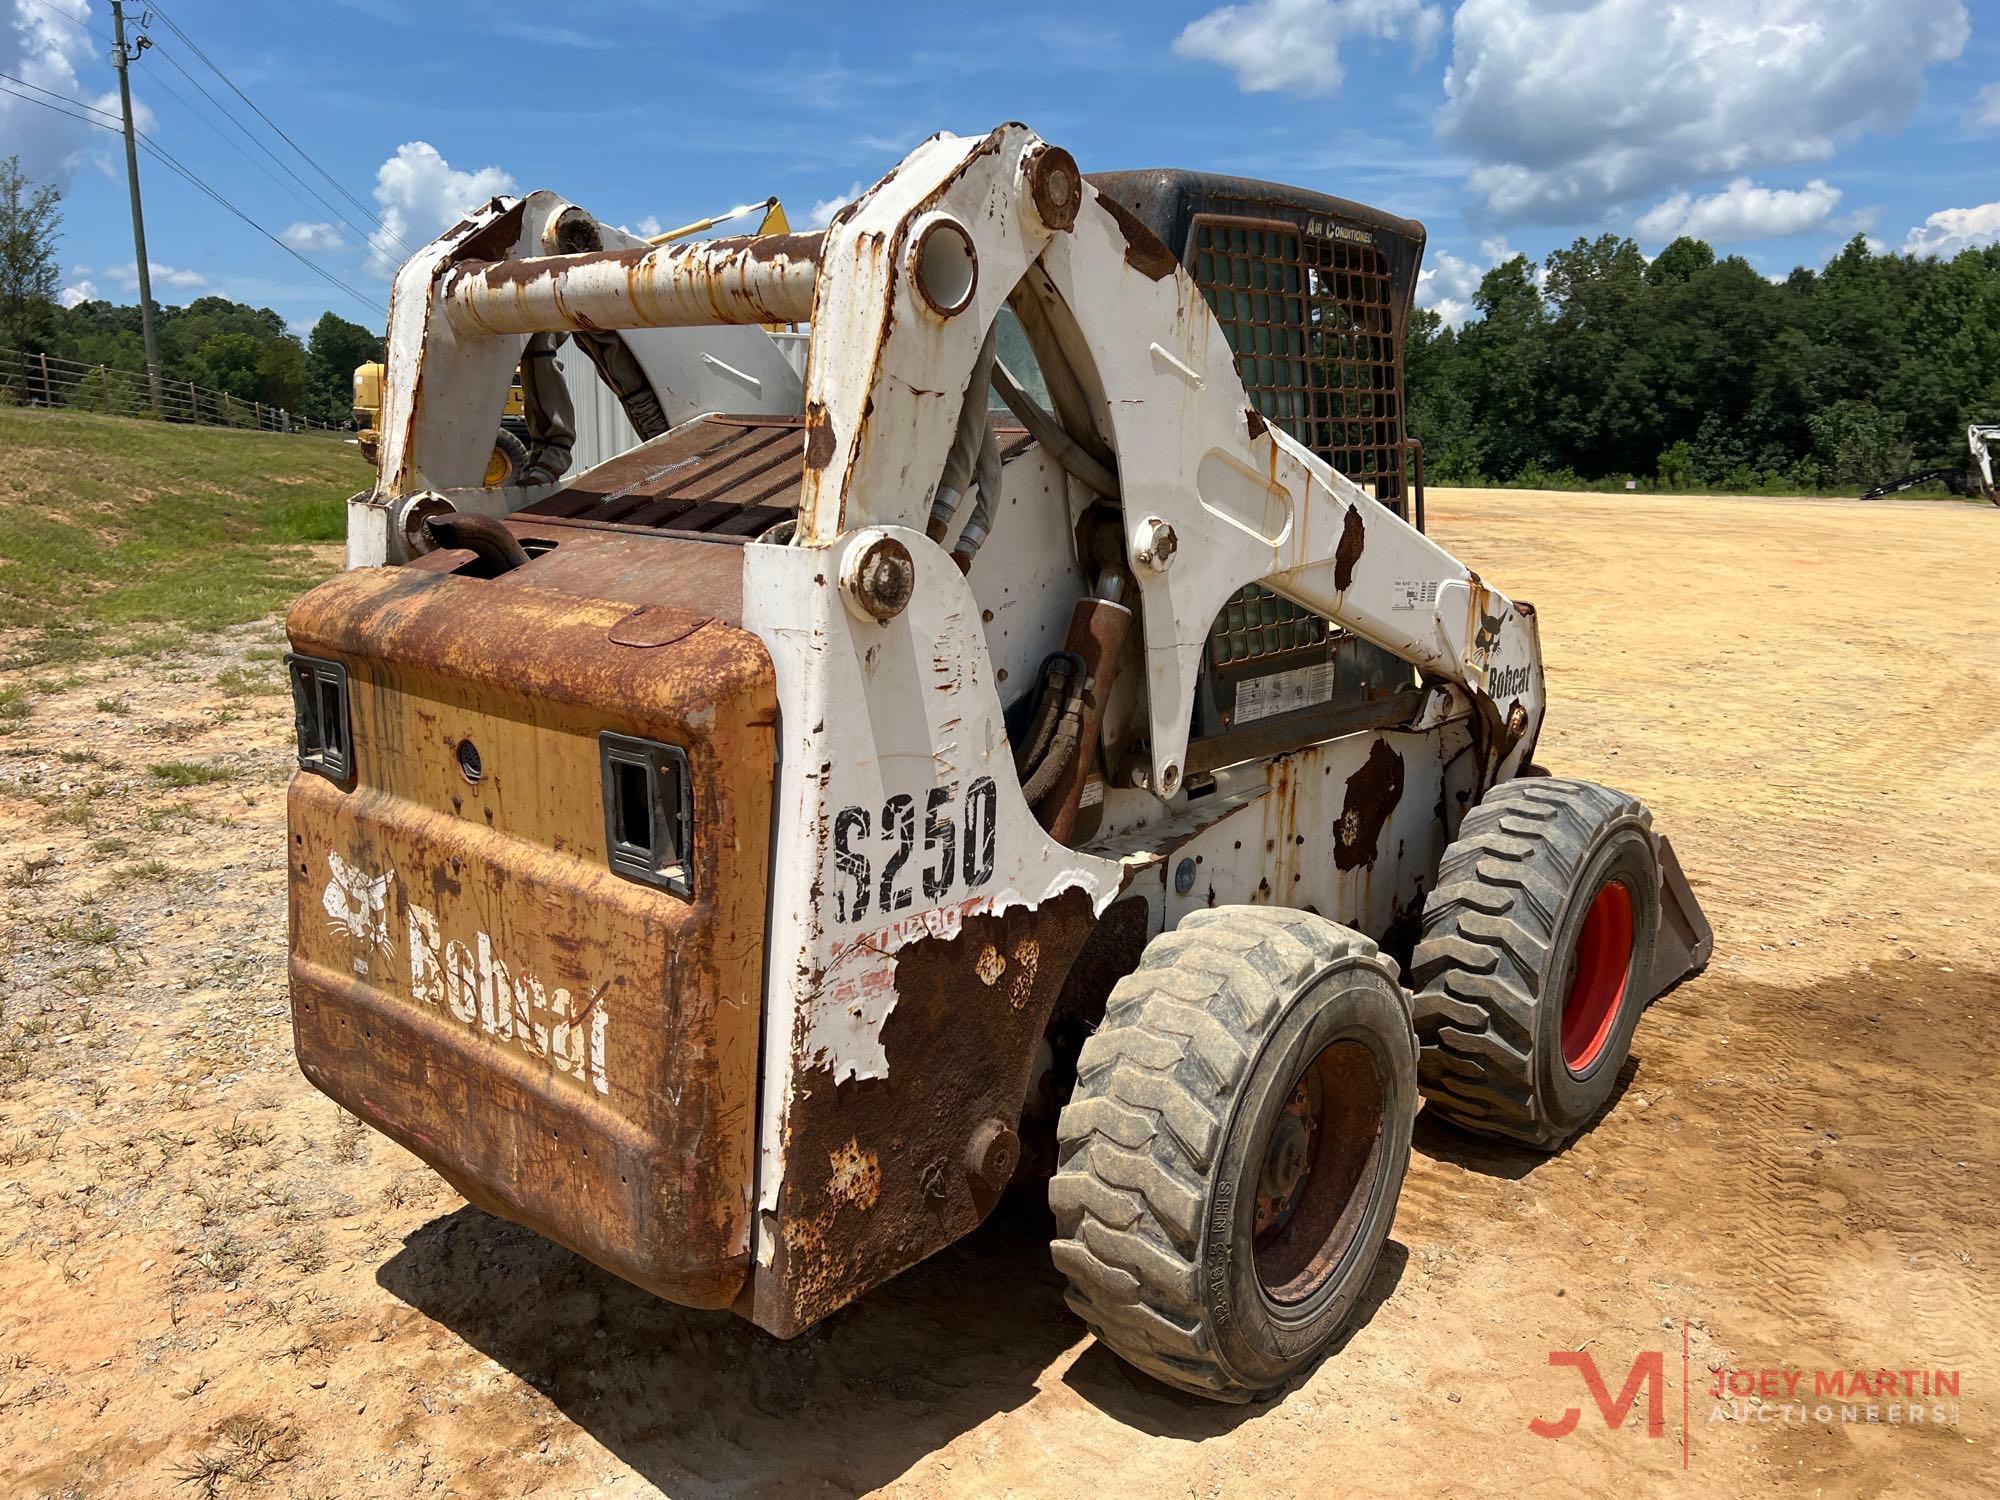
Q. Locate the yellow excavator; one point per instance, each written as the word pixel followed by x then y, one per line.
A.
pixel 510 443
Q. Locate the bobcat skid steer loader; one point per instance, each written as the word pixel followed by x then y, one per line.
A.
pixel 1040 743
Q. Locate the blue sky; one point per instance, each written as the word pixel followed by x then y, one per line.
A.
pixel 1775 128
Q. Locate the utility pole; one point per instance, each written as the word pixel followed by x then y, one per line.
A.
pixel 120 59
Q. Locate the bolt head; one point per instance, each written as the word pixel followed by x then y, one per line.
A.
pixel 882 579
pixel 1055 186
pixel 1157 545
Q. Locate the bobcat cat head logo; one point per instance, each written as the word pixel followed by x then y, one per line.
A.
pixel 1488 635
pixel 357 903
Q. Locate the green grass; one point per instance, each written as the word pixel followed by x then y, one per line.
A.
pixel 241 682
pixel 189 772
pixel 107 523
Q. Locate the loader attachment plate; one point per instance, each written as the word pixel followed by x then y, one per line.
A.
pixel 1686 939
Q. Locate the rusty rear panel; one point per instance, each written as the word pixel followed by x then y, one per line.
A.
pixel 572 1050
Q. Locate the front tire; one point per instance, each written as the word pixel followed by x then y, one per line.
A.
pixel 1536 952
pixel 1231 1158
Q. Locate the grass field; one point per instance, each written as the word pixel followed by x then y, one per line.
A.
pixel 118 534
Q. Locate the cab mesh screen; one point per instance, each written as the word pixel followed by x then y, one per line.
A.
pixel 1312 324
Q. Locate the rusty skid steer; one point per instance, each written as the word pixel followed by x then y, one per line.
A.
pixel 1038 742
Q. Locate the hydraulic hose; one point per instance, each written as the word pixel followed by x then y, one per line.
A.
pixel 1047 431
pixel 495 546
pixel 966 443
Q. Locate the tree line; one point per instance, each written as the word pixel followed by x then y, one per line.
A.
pixel 1696 371
pixel 211 341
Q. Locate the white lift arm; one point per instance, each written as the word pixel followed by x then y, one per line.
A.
pixel 903 288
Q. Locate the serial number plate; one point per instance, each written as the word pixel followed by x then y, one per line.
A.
pixel 1283 692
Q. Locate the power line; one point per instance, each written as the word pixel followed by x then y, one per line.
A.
pixel 311 265
pixel 193 46
pixel 256 141
pixel 168 160
pixel 156 81
pixel 70 99
pixel 30 98
pixel 223 110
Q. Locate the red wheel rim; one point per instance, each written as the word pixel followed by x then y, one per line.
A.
pixel 1597 982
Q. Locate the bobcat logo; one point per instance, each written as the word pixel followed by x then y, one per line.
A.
pixel 1487 638
pixel 358 904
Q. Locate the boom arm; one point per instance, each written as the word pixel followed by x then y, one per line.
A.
pixel 904 287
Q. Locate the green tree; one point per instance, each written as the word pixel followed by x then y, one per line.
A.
pixel 1705 371
pixel 281 374
pixel 30 219
pixel 231 362
pixel 1681 261
pixel 1505 356
pixel 333 350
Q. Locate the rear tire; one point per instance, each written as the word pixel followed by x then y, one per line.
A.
pixel 1536 951
pixel 1230 1161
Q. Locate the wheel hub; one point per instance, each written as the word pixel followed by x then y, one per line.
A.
pixel 1321 1158
pixel 1286 1159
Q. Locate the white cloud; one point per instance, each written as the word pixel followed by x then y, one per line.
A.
pixel 318 235
pixel 1568 105
pixel 821 213
pixel 81 290
pixel 171 278
pixel 1951 230
pixel 1447 284
pixel 1294 45
pixel 45 52
pixel 421 195
pixel 1985 113
pixel 1742 211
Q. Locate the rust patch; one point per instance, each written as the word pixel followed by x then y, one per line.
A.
pixel 1353 537
pixel 1144 252
pixel 857 1175
pixel 1372 794
pixel 989 966
pixel 801 247
pixel 960 1053
pixel 819 435
pixel 492 240
pixel 1254 420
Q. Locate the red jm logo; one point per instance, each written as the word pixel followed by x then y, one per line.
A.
pixel 1648 1370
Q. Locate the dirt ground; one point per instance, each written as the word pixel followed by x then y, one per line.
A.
pixel 213 1282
